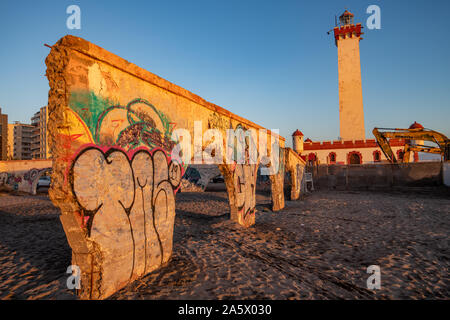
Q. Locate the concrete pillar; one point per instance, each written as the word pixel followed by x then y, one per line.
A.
pixel 295 189
pixel 277 184
pixel 297 181
pixel 277 188
pixel 295 165
pixel 240 180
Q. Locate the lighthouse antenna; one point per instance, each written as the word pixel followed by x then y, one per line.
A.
pixel 335 24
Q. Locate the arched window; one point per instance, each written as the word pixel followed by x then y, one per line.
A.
pixel 354 157
pixel 376 156
pixel 400 155
pixel 311 158
pixel 332 157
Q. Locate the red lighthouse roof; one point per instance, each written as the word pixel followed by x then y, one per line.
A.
pixel 297 133
pixel 347 13
pixel 347 28
pixel 416 125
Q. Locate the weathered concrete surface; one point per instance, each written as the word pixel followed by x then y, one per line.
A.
pixel 22 175
pixel 374 176
pixel 110 133
pixel 240 180
pixel 277 184
pixel 295 167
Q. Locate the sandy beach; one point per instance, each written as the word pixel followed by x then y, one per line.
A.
pixel 315 248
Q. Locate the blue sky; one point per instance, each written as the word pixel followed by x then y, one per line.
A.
pixel 271 62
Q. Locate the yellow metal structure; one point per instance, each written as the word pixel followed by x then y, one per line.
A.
pixel 418 134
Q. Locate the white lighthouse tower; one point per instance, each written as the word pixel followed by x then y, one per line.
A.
pixel 351 114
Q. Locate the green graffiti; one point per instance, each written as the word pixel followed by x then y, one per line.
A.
pixel 142 128
pixel 89 107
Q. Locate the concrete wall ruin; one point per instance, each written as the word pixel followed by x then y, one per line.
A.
pixel 295 169
pixel 110 132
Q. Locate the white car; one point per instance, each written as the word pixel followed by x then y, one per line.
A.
pixel 44 182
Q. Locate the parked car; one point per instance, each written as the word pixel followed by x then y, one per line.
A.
pixel 44 182
pixel 217 179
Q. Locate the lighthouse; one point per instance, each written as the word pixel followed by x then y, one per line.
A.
pixel 352 147
pixel 351 114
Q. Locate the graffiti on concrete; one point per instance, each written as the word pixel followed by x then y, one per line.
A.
pixel 300 179
pixel 10 179
pixel 127 206
pixel 144 125
pixel 123 181
pixel 244 180
pixel 216 121
pixel 25 181
pixel 114 179
pixel 93 120
pixel 240 178
pixel 129 126
pixel 242 146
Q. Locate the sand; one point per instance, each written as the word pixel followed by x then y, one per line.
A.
pixel 315 248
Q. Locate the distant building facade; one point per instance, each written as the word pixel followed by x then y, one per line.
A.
pixel 347 151
pixel 39 146
pixel 20 138
pixel 3 136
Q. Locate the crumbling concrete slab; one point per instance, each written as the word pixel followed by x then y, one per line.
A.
pixel 111 134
